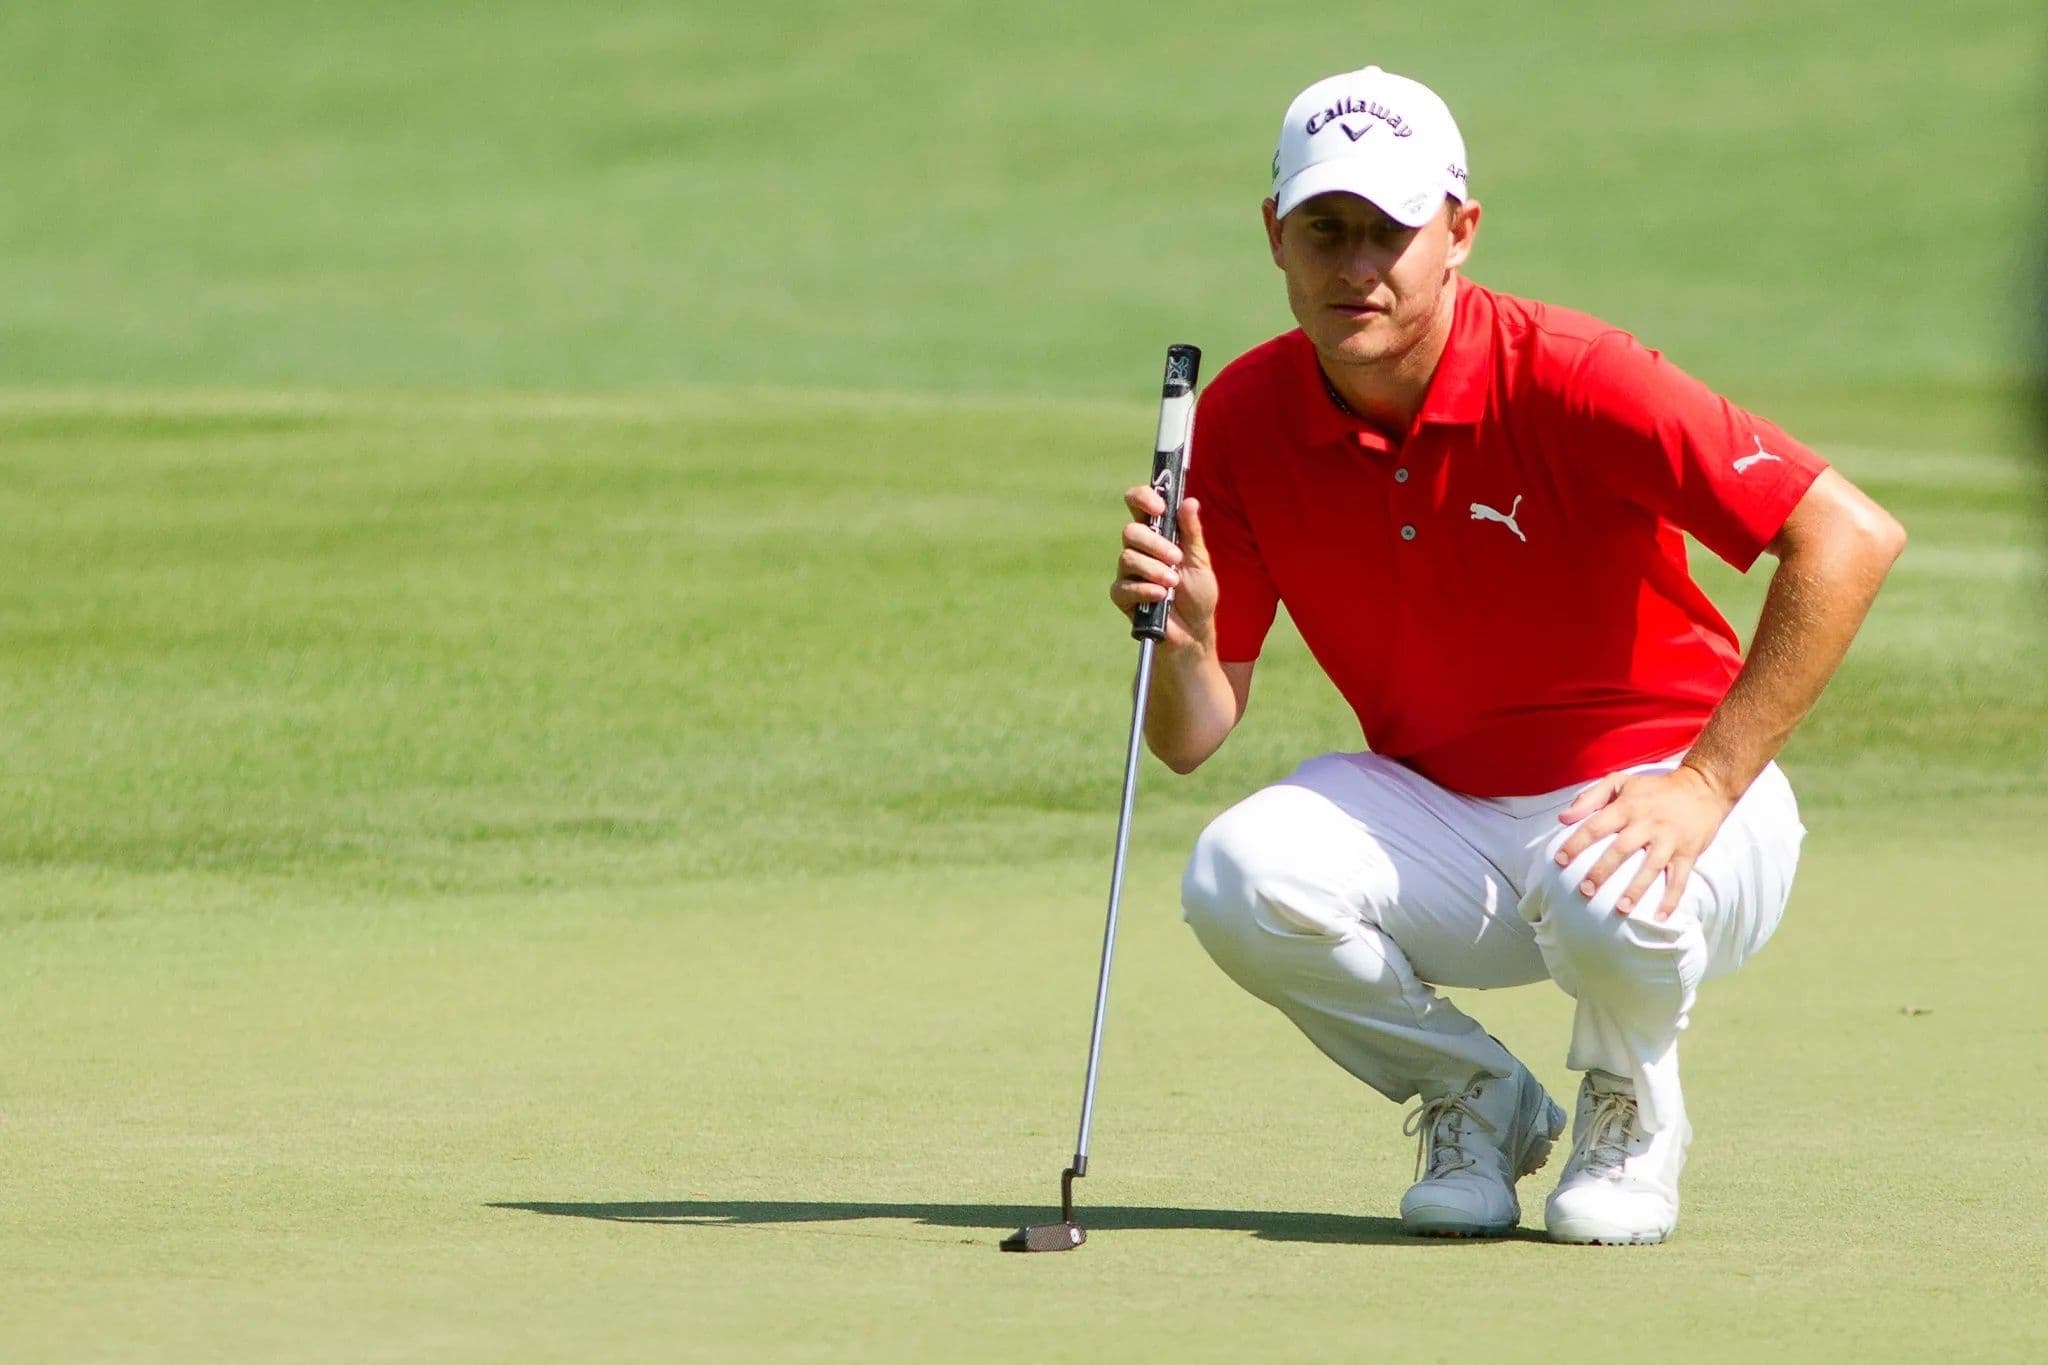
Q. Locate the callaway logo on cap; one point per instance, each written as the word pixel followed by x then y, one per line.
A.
pixel 1382 137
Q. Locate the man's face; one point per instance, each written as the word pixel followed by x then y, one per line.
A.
pixel 1363 287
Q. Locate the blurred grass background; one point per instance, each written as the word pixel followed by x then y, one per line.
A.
pixel 960 197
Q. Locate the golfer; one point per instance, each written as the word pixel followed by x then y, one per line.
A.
pixel 1474 508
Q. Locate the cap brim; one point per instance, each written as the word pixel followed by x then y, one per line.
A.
pixel 1398 196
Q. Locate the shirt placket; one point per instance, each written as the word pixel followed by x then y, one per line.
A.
pixel 1397 530
pixel 1410 502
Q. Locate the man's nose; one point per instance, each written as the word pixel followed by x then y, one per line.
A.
pixel 1360 264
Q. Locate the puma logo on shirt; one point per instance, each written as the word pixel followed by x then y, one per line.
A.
pixel 1742 466
pixel 1481 512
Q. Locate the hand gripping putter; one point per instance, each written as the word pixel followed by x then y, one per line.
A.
pixel 1148 628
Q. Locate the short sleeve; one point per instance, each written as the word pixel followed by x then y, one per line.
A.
pixel 1659 438
pixel 1245 597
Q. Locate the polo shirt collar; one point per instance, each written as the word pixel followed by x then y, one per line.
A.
pixel 1457 390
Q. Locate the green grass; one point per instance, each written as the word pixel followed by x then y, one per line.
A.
pixel 564 726
pixel 956 196
pixel 599 878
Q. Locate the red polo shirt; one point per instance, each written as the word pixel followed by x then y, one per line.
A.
pixel 1501 595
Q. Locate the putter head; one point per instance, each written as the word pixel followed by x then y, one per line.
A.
pixel 1046 1237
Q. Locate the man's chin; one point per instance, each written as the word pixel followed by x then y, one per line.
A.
pixel 1353 346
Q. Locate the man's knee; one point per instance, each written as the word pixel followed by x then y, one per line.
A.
pixel 1219 892
pixel 1585 942
pixel 1566 918
pixel 1261 872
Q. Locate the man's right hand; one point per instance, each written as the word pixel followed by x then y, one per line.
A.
pixel 1151 565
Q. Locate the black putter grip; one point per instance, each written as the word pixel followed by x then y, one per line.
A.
pixel 1170 469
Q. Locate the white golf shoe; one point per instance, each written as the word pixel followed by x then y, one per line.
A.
pixel 1471 1149
pixel 1620 1187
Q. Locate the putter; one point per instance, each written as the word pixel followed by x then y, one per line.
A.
pixel 1148 627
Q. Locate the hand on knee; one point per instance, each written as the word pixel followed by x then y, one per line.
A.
pixel 1570 924
pixel 1561 889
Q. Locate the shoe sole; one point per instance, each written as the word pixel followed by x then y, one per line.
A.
pixel 1434 1221
pixel 1639 1239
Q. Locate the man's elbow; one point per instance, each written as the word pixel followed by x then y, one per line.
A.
pixel 1891 540
pixel 1882 537
pixel 1840 529
pixel 1183 753
pixel 1837 527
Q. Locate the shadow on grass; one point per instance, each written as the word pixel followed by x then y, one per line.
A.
pixel 997 1220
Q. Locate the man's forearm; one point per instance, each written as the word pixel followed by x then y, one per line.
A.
pixel 1192 709
pixel 1821 592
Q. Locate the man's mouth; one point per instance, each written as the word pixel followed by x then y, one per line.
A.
pixel 1358 310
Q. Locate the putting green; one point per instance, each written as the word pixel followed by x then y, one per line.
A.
pixel 559 879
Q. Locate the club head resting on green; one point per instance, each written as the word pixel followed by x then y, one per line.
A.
pixel 1046 1237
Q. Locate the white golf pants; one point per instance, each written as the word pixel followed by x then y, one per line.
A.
pixel 1343 894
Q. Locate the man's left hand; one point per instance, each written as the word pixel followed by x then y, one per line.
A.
pixel 1670 817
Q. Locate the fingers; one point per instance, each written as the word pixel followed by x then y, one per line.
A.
pixel 1655 863
pixel 1144 502
pixel 1675 878
pixel 1131 593
pixel 1588 801
pixel 1142 539
pixel 1149 566
pixel 1659 820
pixel 1632 851
pixel 1609 862
pixel 1137 569
pixel 1595 807
pixel 1152 567
pixel 1191 540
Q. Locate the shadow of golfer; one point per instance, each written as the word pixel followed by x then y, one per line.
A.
pixel 999 1219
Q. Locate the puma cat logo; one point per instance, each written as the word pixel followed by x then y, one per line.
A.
pixel 1481 512
pixel 1742 466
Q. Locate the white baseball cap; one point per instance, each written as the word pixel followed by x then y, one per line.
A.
pixel 1369 133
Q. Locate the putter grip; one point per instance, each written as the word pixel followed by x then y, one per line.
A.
pixel 1170 453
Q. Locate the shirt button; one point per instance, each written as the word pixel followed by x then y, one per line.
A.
pixel 1400 476
pixel 1407 533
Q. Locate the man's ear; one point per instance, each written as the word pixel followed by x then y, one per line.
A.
pixel 1464 226
pixel 1272 228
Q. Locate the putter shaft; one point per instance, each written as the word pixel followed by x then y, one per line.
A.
pixel 1148 627
pixel 1140 689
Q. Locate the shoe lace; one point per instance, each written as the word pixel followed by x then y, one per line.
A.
pixel 1436 1124
pixel 1602 1144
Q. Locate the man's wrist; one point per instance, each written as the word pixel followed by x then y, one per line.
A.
pixel 1712 778
pixel 1194 649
